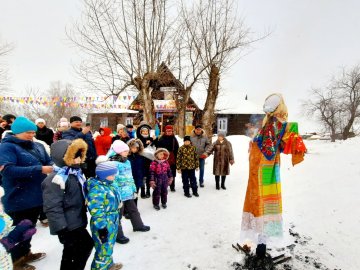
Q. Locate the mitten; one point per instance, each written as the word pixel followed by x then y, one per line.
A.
pixel 203 156
pixel 152 184
pixel 170 181
pixel 103 235
pixel 23 231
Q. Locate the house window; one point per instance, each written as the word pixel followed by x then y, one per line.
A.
pixel 128 121
pixel 104 122
pixel 222 124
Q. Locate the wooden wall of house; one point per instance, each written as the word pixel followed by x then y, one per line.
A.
pixel 236 123
pixel 113 120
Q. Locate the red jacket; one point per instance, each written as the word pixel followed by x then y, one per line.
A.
pixel 103 142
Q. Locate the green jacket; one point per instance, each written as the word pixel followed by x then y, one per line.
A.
pixel 187 159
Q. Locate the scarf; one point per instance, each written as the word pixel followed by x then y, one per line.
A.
pixel 63 173
pixel 269 137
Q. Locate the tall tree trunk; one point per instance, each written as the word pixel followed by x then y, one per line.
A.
pixel 346 131
pixel 208 117
pixel 182 111
pixel 333 134
pixel 148 105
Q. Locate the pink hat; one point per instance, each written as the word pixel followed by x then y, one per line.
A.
pixel 119 146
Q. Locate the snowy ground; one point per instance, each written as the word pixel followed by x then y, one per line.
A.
pixel 321 201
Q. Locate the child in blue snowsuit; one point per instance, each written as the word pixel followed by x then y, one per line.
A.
pixel 104 202
pixel 127 188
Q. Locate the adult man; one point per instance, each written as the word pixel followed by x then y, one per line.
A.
pixel 8 119
pixel 44 133
pixel 77 131
pixel 201 142
pixel 170 143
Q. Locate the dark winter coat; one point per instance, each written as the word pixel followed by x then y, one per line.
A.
pixel 74 133
pixel 171 144
pixel 145 140
pixel 223 153
pixel 64 208
pixel 103 142
pixel 201 142
pixel 187 158
pixel 45 134
pixel 22 174
pixel 160 171
pixel 137 163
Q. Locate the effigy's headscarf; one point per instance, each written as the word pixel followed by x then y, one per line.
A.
pixel 274 124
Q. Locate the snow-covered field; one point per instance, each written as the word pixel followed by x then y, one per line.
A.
pixel 321 202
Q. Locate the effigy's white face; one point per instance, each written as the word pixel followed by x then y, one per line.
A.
pixel 271 103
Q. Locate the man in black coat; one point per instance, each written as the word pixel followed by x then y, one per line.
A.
pixel 77 131
pixel 64 203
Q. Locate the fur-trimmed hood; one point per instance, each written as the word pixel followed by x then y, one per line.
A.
pixel 203 134
pixel 64 151
pixel 132 142
pixel 167 154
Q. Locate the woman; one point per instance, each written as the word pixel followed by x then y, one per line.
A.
pixel 26 164
pixel 223 158
pixel 262 216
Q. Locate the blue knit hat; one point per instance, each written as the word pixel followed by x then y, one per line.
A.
pixel 105 169
pixel 22 124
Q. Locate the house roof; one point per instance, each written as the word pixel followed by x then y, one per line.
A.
pixel 115 110
pixel 231 105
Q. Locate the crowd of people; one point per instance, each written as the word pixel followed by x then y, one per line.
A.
pixel 57 176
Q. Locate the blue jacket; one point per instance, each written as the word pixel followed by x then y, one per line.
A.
pixel 22 176
pixel 103 200
pixel 74 133
pixel 124 179
pixel 137 168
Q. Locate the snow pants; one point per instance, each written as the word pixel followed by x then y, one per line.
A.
pixel 135 218
pixel 161 190
pixel 189 180
pixel 103 251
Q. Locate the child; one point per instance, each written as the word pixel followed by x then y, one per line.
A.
pixel 160 177
pixel 11 236
pixel 64 202
pixel 137 163
pixel 125 181
pixel 186 163
pixel 104 202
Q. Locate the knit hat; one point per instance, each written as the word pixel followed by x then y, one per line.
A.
pixel 105 169
pixel 221 134
pixel 187 138
pixel 119 146
pixel 40 120
pixel 120 126
pixel 129 126
pixel 169 127
pixel 75 118
pixel 198 126
pixel 22 124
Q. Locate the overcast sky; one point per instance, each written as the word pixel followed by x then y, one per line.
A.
pixel 310 41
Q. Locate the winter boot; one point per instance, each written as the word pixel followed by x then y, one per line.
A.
pixel 223 184
pixel 164 205
pixel 144 228
pixel 116 266
pixel 217 184
pixel 188 195
pixel 142 192
pixel 156 207
pixel 196 194
pixel 122 240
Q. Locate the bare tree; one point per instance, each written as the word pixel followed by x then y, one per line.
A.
pixel 348 87
pixel 124 42
pixel 325 106
pixel 218 35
